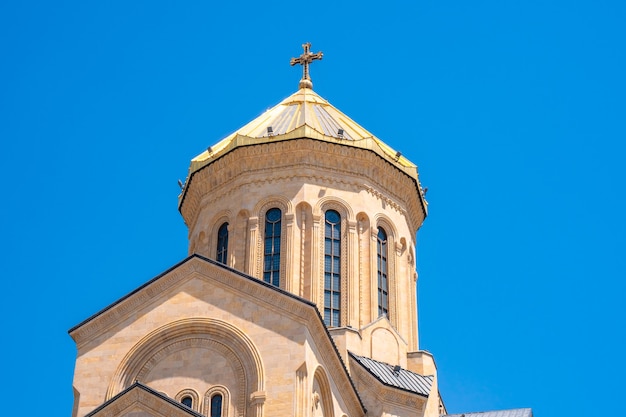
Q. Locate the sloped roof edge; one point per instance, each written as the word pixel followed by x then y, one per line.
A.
pixel 303 114
pixel 252 279
pixel 514 412
pixel 187 259
pixel 138 385
pixel 399 378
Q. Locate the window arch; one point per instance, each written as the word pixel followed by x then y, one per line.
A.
pixel 216 405
pixel 271 253
pixel 188 401
pixel 383 272
pixel 216 402
pixel 332 268
pixel 222 244
pixel 188 398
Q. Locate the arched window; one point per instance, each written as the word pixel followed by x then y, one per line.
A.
pixel 383 278
pixel 271 264
pixel 222 244
pixel 216 405
pixel 332 268
pixel 188 398
pixel 188 401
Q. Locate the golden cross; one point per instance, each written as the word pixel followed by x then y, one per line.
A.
pixel 305 59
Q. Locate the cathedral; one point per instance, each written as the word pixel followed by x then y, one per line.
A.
pixel 298 297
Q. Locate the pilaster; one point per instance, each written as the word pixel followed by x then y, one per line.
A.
pixel 253 230
pixel 290 285
pixel 352 275
pixel 317 289
pixel 373 274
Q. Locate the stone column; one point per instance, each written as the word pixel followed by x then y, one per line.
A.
pixel 253 229
pixel 287 258
pixel 398 315
pixel 257 401
pixel 302 250
pixel 412 276
pixel 373 274
pixel 230 247
pixel 317 257
pixel 352 275
pixel 302 391
pixel 360 323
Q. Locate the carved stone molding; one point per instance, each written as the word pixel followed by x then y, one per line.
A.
pixel 308 161
pixel 208 343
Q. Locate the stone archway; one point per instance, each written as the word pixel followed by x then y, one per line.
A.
pixel 197 337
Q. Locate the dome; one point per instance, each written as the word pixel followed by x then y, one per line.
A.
pixel 303 114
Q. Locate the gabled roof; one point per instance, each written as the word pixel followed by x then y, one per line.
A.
pixel 142 392
pixel 184 261
pixel 516 412
pixel 195 260
pixel 395 376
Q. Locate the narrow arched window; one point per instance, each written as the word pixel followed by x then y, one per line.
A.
pixel 216 405
pixel 271 264
pixel 332 268
pixel 222 244
pixel 188 401
pixel 383 277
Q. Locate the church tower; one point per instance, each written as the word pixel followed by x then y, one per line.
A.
pixel 299 293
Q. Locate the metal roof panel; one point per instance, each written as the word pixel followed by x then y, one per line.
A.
pixel 516 412
pixel 396 376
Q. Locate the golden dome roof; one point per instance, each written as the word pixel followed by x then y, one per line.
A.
pixel 304 114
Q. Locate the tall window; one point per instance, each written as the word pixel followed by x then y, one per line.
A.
pixel 216 405
pixel 383 279
pixel 271 265
pixel 222 244
pixel 332 268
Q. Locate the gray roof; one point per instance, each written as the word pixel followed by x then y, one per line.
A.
pixel 396 377
pixel 516 412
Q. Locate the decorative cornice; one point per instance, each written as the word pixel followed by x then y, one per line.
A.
pixel 258 397
pixel 117 312
pixel 308 160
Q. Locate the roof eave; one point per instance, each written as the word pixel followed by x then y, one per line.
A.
pixel 237 140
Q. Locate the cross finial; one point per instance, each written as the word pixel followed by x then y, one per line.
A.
pixel 305 59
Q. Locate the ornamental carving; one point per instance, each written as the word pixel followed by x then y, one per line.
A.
pixel 306 161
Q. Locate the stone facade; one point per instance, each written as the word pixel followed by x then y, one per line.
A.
pixel 205 328
pixel 304 178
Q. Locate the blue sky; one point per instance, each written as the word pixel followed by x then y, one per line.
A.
pixel 513 111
